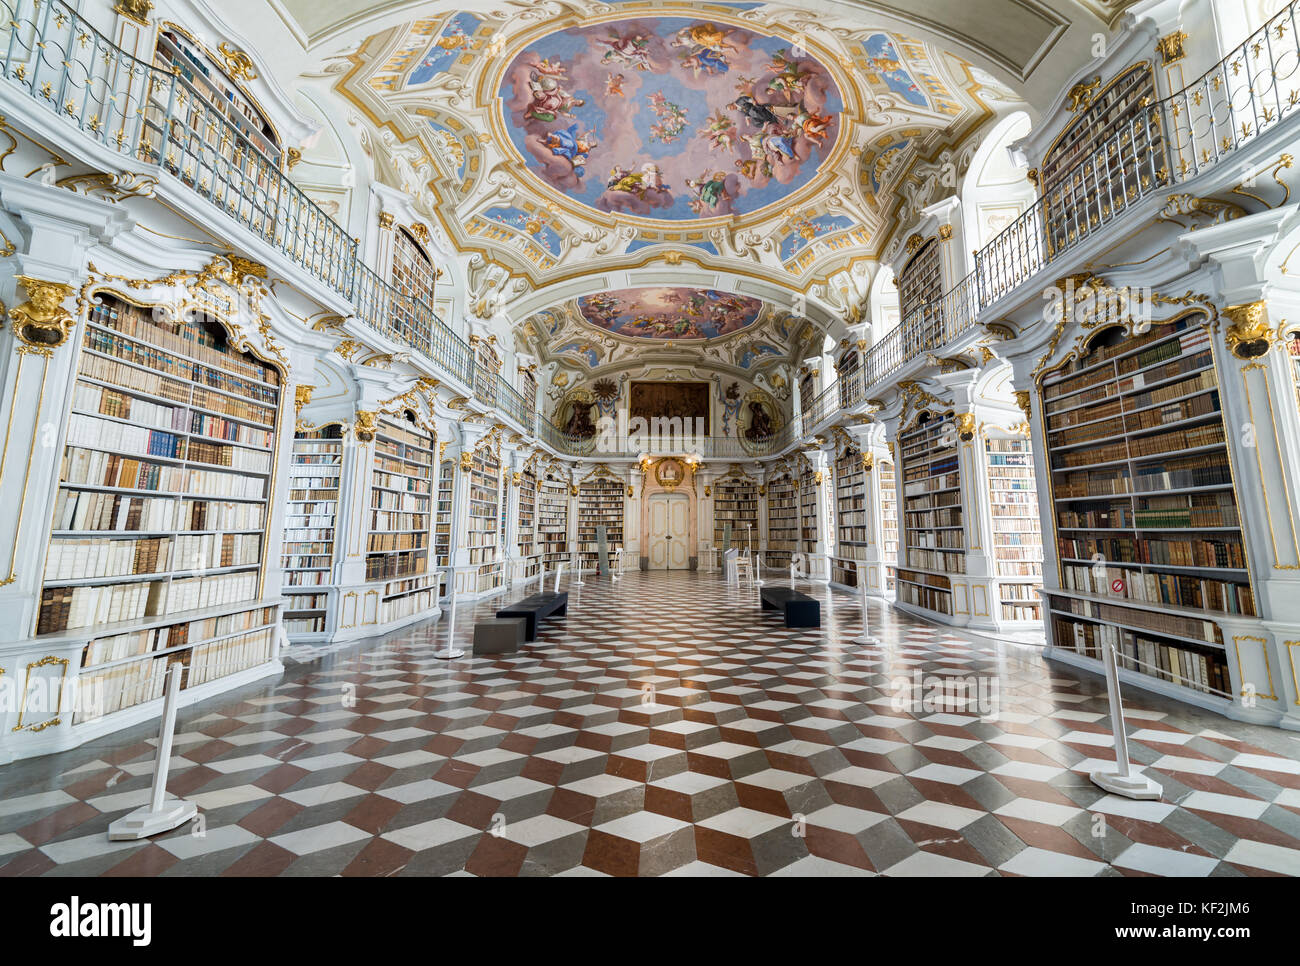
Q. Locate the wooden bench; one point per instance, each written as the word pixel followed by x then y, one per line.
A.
pixel 800 609
pixel 537 608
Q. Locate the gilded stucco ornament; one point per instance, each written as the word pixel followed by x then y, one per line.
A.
pixel 367 425
pixel 42 323
pixel 1248 334
pixel 238 64
pixel 1023 401
pixel 966 426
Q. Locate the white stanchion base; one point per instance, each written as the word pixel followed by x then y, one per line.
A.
pixel 449 653
pixel 143 822
pixel 875 641
pixel 1135 785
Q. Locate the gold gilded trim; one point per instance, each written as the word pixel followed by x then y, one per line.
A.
pixel 46 661
pixel 1268 670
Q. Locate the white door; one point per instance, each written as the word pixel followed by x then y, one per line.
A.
pixel 669 529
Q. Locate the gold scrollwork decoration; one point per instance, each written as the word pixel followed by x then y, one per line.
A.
pixel 238 64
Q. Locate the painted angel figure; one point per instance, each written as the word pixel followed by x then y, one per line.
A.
pixel 789 79
pixel 710 191
pixel 550 100
pixel 572 146
pixel 720 131
pixel 632 52
pixel 614 85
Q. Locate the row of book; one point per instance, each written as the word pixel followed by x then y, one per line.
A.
pixel 1190 668
pixel 149 357
pixel 219 659
pixel 95 468
pixel 84 559
pixel 65 608
pixel 385 566
pixel 1160 622
pixel 85 510
pixel 948 561
pixel 398 502
pixel 186 338
pixel 383 542
pixel 948 481
pixel 296 531
pixel 138 643
pixel 90 398
pixel 1206 552
pixel 1172 512
pixel 951 517
pixel 402 484
pixel 1182 590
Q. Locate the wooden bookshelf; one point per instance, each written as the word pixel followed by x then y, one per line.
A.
pixel 886 483
pixel 735 501
pixel 782 522
pixel 933 536
pixel 1017 533
pixel 553 522
pixel 484 532
pixel 527 536
pixel 600 502
pixel 310 516
pixel 851 529
pixel 1148 532
pixel 158 534
pixel 401 493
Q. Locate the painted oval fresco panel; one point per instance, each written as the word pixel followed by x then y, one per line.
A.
pixel 674 314
pixel 671 118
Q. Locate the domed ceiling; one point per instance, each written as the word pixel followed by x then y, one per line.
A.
pixel 667 175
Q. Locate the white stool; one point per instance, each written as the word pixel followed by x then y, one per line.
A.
pixel 742 565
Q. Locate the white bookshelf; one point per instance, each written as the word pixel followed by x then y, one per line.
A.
pixel 1017 533
pixel 310 516
pixel 157 552
pixel 600 503
pixel 1149 538
pixel 782 522
pixel 933 549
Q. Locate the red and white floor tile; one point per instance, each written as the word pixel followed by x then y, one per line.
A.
pixel 667 727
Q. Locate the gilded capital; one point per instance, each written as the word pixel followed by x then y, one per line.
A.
pixel 367 425
pixel 966 426
pixel 42 323
pixel 1248 334
pixel 1022 400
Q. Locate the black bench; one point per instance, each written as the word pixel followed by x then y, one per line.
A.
pixel 536 608
pixel 800 609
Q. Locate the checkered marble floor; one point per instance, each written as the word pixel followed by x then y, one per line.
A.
pixel 668 727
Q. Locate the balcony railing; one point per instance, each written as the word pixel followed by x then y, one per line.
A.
pixel 1165 143
pixel 149 114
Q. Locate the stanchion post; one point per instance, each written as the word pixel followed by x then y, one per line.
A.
pixel 865 637
pixel 451 651
pixel 161 814
pixel 1124 780
pixel 576 580
pixel 617 572
pixel 559 569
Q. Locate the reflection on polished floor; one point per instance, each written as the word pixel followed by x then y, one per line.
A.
pixel 669 727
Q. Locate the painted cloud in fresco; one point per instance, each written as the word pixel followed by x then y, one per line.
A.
pixel 670 118
pixel 675 314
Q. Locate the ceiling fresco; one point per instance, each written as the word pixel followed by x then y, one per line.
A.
pixel 674 118
pixel 670 313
